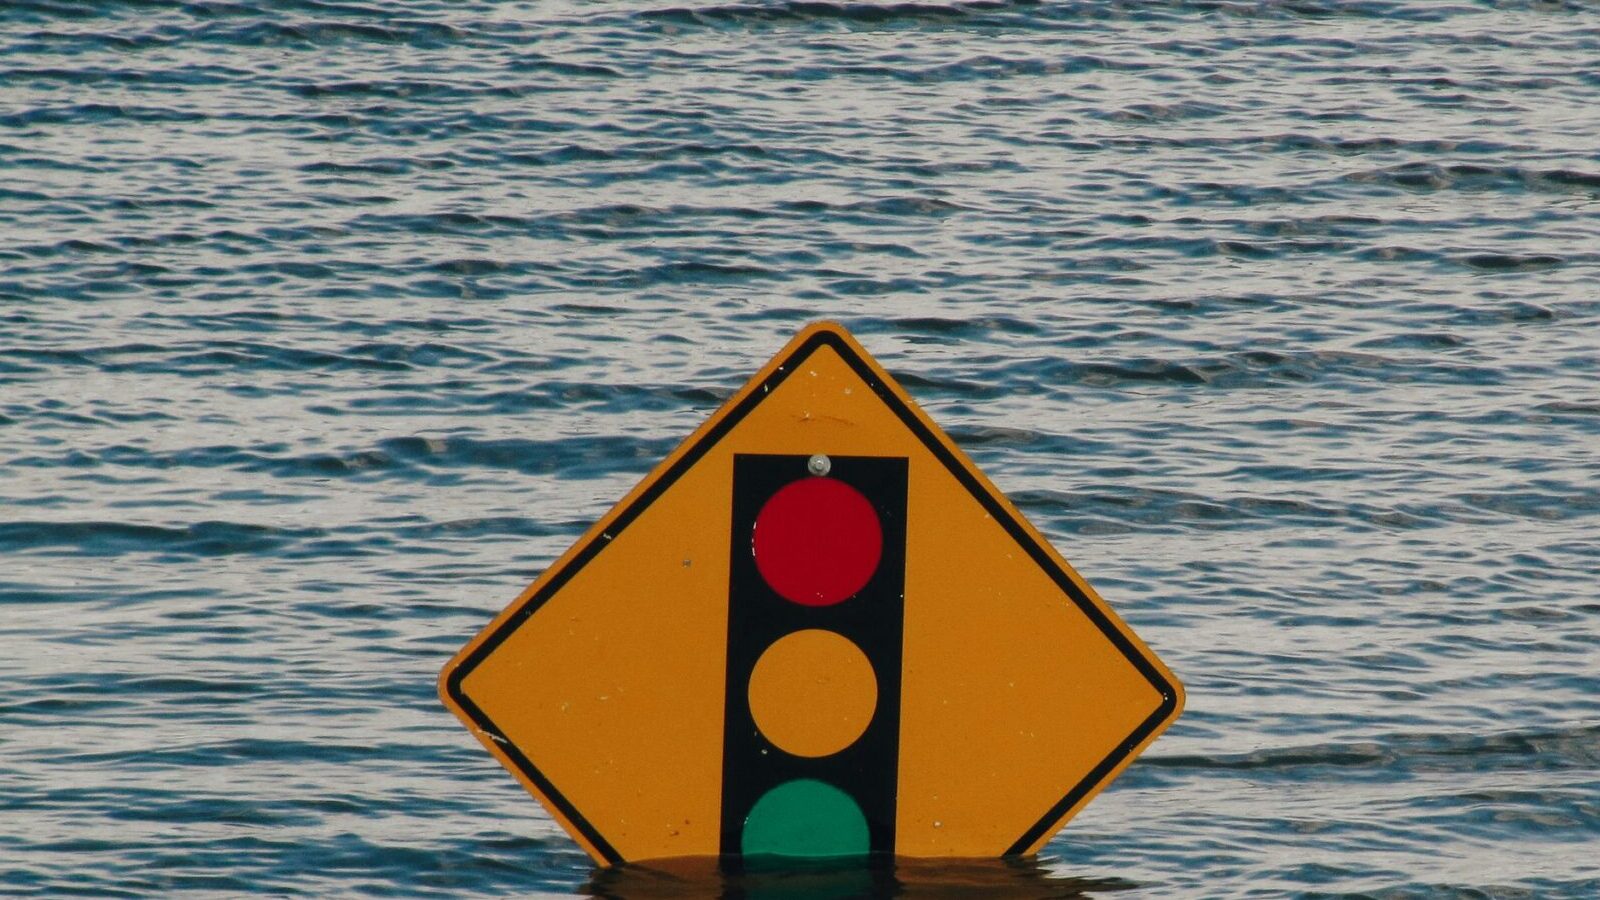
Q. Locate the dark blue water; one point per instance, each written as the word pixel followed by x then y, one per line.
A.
pixel 325 326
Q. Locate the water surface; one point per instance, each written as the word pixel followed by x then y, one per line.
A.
pixel 325 327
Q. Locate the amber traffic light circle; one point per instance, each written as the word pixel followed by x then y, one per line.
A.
pixel 813 692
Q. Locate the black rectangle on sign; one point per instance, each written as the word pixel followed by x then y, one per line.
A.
pixel 872 618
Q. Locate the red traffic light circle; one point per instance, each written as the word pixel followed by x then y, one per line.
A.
pixel 817 541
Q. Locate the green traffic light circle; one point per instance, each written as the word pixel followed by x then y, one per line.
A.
pixel 805 818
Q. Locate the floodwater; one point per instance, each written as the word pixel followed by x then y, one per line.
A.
pixel 325 327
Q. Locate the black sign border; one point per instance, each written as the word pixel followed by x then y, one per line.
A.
pixel 823 338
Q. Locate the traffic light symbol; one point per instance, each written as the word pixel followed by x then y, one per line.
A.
pixel 816 613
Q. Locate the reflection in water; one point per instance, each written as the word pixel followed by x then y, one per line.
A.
pixel 836 880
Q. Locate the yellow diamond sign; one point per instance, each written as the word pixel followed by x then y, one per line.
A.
pixel 814 630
